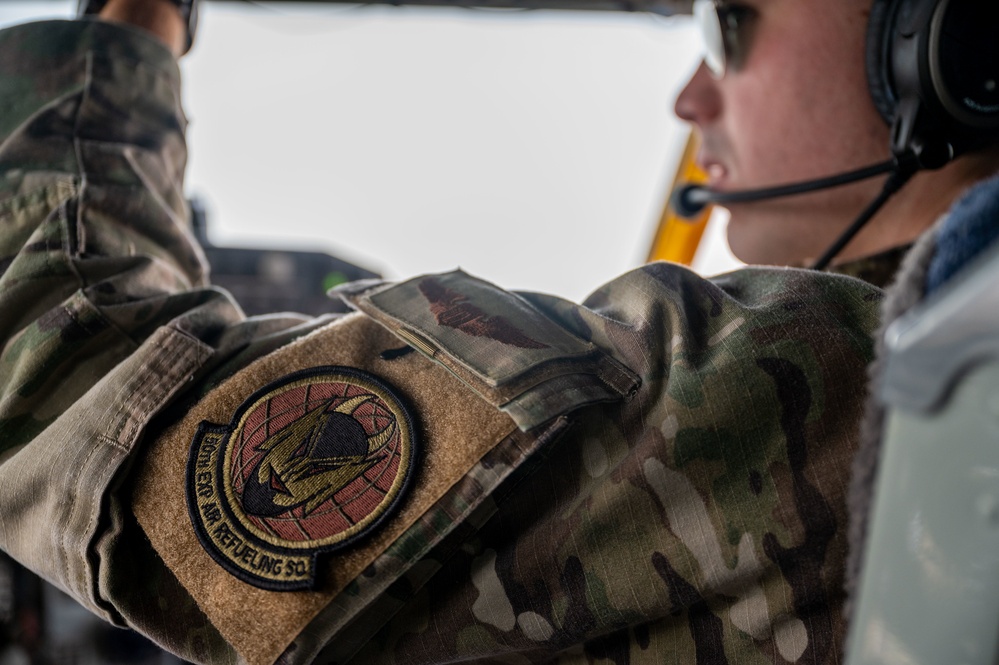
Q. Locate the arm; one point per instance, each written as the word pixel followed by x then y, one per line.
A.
pixel 105 313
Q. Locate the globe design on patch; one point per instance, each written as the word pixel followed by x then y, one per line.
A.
pixel 314 462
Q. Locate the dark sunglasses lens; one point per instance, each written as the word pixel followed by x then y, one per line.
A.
pixel 726 30
pixel 736 28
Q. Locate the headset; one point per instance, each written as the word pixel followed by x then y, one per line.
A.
pixel 933 73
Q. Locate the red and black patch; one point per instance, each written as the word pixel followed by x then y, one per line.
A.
pixel 308 464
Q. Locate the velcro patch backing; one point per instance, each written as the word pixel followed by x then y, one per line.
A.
pixel 455 428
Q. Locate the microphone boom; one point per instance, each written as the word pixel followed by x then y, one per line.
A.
pixel 688 200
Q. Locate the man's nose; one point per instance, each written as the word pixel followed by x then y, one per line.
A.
pixel 700 101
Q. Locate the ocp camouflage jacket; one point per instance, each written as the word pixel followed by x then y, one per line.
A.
pixel 451 473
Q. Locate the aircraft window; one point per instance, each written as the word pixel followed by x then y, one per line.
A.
pixel 534 149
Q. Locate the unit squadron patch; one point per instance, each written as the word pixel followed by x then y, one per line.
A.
pixel 308 464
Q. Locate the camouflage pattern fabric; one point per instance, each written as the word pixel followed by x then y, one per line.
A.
pixel 879 269
pixel 699 520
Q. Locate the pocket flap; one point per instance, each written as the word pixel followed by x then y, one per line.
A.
pixel 496 342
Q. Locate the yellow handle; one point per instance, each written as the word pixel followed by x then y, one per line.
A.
pixel 677 238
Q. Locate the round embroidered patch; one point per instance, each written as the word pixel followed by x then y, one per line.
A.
pixel 308 464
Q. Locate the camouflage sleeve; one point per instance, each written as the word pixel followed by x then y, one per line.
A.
pixel 656 475
pixel 700 521
pixel 105 311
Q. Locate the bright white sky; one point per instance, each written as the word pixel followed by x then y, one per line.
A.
pixel 534 149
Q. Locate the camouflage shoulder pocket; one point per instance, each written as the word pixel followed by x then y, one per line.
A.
pixel 497 343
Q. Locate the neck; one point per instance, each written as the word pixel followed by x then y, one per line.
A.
pixel 919 204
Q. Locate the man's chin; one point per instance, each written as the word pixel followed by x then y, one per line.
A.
pixel 761 237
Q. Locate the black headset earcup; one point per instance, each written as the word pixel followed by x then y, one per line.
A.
pixel 879 26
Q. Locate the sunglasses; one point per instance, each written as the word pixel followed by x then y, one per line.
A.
pixel 727 32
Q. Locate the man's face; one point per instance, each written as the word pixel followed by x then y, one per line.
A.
pixel 798 108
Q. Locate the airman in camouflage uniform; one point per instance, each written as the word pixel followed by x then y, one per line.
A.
pixel 656 475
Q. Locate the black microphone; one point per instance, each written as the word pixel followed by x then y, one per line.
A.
pixel 689 200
